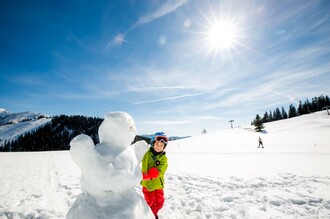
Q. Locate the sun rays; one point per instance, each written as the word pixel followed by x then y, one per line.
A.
pixel 221 33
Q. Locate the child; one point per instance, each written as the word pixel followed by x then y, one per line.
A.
pixel 154 165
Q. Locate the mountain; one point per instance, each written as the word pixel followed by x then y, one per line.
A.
pixel 54 134
pixel 7 118
pixel 29 131
pixel 170 138
pixel 13 125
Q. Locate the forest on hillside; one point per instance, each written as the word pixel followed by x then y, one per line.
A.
pixel 306 107
pixel 55 135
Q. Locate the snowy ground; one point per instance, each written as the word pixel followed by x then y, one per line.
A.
pixel 218 175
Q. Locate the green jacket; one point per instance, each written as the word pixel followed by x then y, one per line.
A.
pixel 160 162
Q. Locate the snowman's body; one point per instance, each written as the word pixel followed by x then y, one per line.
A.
pixel 110 172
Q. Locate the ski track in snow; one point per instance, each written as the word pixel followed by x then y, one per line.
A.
pixel 44 188
pixel 45 184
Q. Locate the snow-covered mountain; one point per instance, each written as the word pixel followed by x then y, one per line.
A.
pixel 171 138
pixel 7 117
pixel 14 124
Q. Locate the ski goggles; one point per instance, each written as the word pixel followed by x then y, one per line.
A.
pixel 162 139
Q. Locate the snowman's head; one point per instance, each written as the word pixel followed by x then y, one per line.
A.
pixel 117 130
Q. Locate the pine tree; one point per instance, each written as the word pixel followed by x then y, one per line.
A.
pixel 292 111
pixel 284 114
pixel 327 101
pixel 258 123
pixel 300 109
pixel 265 118
pixel 270 116
pixel 314 105
pixel 306 107
pixel 277 115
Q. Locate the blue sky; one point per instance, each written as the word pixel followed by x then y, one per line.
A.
pixel 175 66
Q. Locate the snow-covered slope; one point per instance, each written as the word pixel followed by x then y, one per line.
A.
pixel 14 124
pixel 304 137
pixel 298 134
pixel 216 175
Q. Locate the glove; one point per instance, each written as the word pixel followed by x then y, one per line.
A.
pixel 151 174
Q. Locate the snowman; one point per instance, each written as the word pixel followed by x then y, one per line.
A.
pixel 110 172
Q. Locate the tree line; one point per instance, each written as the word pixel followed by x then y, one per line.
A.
pixel 55 135
pixel 306 107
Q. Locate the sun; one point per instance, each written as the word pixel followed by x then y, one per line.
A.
pixel 221 36
pixel 221 32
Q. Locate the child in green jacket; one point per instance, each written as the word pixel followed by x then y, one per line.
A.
pixel 154 165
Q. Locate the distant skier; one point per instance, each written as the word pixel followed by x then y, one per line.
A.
pixel 260 143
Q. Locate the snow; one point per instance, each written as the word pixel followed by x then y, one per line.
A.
pixel 216 175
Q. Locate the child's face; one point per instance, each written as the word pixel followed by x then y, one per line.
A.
pixel 159 146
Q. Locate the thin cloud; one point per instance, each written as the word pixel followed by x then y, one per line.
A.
pixel 285 85
pixel 166 8
pixel 165 122
pixel 184 96
pixel 168 98
pixel 26 78
pixel 87 96
pixel 148 89
pixel 206 118
pixel 119 39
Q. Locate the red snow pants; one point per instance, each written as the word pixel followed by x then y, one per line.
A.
pixel 154 199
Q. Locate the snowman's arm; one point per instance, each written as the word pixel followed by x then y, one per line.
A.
pixel 80 149
pixel 140 148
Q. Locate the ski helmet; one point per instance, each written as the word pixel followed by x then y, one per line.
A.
pixel 160 136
